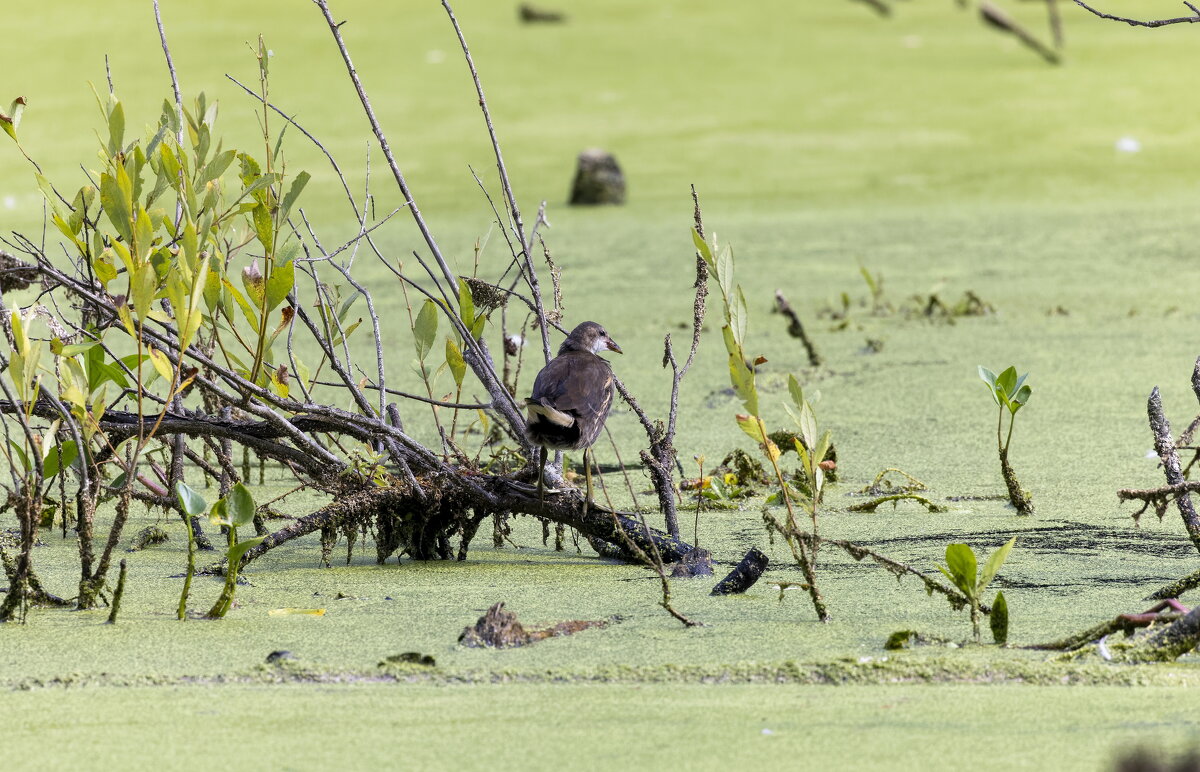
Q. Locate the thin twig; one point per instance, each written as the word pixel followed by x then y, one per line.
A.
pixel 1151 23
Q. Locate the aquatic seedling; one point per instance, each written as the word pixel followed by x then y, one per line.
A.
pixel 1011 393
pixel 231 512
pixel 961 569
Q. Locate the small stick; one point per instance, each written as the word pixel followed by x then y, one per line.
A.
pixel 1151 23
pixel 997 18
pixel 796 328
pixel 116 599
pixel 880 7
pixel 624 469
pixel 1164 445
pixel 1056 28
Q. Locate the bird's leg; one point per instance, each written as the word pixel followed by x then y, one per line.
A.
pixel 587 476
pixel 541 479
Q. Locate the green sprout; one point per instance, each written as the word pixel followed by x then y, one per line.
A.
pixel 961 570
pixel 232 512
pixel 1010 393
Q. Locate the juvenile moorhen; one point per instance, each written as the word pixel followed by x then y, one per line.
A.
pixel 571 398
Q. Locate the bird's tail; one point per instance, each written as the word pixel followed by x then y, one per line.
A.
pixel 534 408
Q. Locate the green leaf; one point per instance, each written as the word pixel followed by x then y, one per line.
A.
pixel 739 318
pixel 988 377
pixel 795 390
pixel 20 454
pixel 161 364
pixel 250 170
pixel 255 189
pixel 425 328
pixel 725 272
pixel 76 348
pixel 116 129
pixel 704 251
pixel 1006 381
pixel 190 501
pixel 50 196
pixel 456 362
pixel 337 339
pixel 994 561
pixel 466 304
pixel 752 427
pixel 961 561
pixel 1019 399
pixel 70 452
pixel 822 448
pixel 293 193
pixel 234 554
pixel 344 309
pixel 240 505
pixel 143 288
pixel 264 228
pixel 808 427
pixel 105 271
pixel 9 122
pixel 254 283
pixel 212 289
pixel 217 167
pixel 477 327
pixel 117 205
pixel 280 283
pixel 999 619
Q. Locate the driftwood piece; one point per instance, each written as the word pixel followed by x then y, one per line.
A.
pixel 744 575
pixel 1167 611
pixel 1171 643
pixel 796 328
pixel 998 19
pixel 497 628
pixel 598 179
pixel 878 6
pixel 1164 445
pixel 500 629
pixel 532 14
pixel 497 494
pixel 1176 588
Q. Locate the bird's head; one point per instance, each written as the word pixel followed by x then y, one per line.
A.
pixel 589 336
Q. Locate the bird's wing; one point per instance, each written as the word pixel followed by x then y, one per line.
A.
pixel 579 383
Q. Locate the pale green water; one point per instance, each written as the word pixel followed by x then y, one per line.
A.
pixel 926 148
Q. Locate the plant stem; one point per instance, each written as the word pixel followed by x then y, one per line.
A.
pixel 807 565
pixel 1016 496
pixel 191 567
pixel 231 571
pixel 117 594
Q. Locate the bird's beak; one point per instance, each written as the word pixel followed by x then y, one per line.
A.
pixel 612 346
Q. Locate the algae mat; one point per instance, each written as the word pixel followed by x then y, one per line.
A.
pixel 929 149
pixel 521 727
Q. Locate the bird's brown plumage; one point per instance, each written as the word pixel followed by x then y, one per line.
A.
pixel 573 393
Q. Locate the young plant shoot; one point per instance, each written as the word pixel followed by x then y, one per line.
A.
pixel 232 512
pixel 1010 393
pixel 961 570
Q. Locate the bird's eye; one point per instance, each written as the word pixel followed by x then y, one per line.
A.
pixel 603 334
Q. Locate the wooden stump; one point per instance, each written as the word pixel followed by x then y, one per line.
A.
pixel 745 575
pixel 598 179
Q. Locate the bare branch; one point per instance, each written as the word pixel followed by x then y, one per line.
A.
pixel 1149 23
